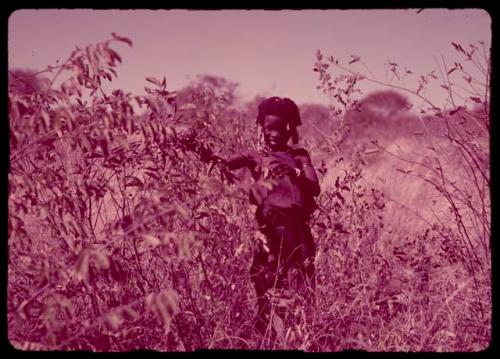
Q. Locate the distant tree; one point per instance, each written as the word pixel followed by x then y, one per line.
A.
pixel 217 107
pixel 220 85
pixel 317 125
pixel 382 116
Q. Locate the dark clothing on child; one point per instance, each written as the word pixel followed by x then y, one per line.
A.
pixel 284 205
pixel 289 246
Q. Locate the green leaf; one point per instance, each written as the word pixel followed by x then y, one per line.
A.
pixel 188 106
pixel 278 326
pixel 212 185
pixel 46 119
pixel 129 313
pixel 133 181
pixel 122 39
pixel 164 304
pixel 151 240
pixel 182 211
pixel 153 174
pixel 114 55
pixel 151 103
pixel 184 245
pixel 82 266
pixel 101 260
pixel 171 301
pixel 115 320
pixel 153 80
pixel 57 126
pixel 339 196
pixel 369 151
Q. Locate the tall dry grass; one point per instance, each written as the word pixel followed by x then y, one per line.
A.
pixel 159 257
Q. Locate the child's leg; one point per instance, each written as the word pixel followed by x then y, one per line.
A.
pixel 309 253
pixel 262 280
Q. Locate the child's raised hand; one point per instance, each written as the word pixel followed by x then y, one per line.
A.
pixel 283 169
pixel 223 167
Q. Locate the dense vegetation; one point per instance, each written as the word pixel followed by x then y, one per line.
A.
pixel 124 235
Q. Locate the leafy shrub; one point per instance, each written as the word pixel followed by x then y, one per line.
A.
pixel 124 235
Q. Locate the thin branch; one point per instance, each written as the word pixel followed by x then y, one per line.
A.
pixel 388 85
pixel 448 82
pixel 33 297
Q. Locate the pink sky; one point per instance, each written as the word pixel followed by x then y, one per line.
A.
pixel 267 52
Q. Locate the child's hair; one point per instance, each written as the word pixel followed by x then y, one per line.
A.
pixel 284 108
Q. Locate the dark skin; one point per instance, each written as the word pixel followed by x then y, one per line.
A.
pixel 283 229
pixel 276 136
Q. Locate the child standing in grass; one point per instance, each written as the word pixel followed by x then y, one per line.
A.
pixel 283 191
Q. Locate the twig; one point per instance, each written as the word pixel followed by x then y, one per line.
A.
pixel 33 297
pixel 425 336
pixel 389 85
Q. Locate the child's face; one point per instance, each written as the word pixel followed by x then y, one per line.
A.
pixel 276 133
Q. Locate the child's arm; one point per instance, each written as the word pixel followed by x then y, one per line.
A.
pixel 238 162
pixel 235 163
pixel 206 155
pixel 307 175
